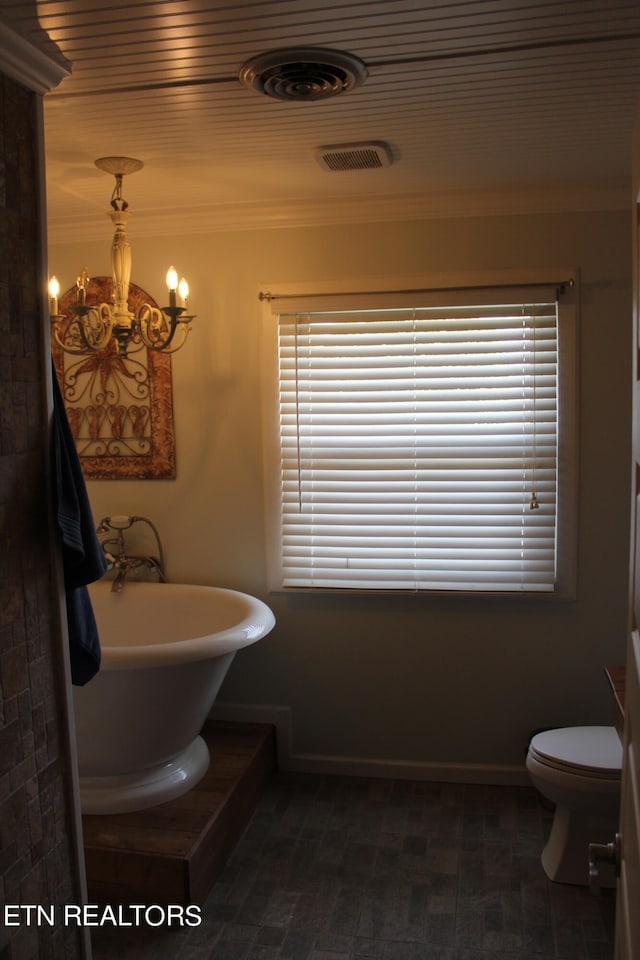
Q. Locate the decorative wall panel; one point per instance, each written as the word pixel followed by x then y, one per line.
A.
pixel 120 409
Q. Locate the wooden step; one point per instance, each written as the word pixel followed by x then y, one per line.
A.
pixel 173 853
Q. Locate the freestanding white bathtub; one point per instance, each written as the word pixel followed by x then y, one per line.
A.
pixel 166 649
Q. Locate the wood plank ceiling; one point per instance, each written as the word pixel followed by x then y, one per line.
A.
pixel 482 102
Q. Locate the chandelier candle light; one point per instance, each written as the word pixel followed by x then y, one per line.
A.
pixel 92 328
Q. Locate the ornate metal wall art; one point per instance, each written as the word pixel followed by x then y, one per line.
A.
pixel 120 409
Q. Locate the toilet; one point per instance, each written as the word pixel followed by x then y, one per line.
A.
pixel 579 770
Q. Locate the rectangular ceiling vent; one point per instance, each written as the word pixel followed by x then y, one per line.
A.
pixel 354 156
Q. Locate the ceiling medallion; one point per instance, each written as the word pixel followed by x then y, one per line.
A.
pixel 303 73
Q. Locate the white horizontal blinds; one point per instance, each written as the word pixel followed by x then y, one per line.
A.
pixel 411 442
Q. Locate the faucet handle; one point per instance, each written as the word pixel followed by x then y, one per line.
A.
pixel 120 522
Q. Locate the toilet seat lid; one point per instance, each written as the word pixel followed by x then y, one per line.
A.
pixel 594 750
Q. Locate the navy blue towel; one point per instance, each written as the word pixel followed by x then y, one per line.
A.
pixel 82 555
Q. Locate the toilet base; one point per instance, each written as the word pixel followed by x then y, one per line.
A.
pixel 565 858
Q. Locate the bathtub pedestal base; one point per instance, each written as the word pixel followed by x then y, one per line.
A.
pixel 126 793
pixel 174 853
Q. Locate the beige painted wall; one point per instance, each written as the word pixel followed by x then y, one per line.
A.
pixel 409 679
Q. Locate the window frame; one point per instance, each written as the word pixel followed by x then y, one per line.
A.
pixel 318 295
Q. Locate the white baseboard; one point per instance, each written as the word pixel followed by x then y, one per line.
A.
pixel 288 761
pixel 279 717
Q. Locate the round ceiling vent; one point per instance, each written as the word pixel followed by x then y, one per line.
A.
pixel 303 73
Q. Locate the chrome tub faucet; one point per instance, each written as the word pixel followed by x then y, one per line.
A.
pixel 118 559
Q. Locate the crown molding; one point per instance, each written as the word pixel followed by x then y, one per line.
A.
pixel 333 211
pixel 28 64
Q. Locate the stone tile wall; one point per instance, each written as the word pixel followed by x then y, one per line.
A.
pixel 36 851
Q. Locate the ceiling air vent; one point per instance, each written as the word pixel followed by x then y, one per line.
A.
pixel 302 73
pixel 354 156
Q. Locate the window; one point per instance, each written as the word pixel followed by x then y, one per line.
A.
pixel 426 441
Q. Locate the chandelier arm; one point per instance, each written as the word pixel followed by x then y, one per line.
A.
pixel 63 345
pixel 185 327
pixel 150 322
pixel 158 328
pixel 81 321
pixel 105 323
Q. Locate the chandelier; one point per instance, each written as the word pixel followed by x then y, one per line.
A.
pixel 91 328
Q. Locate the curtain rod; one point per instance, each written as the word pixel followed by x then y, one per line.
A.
pixel 560 286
